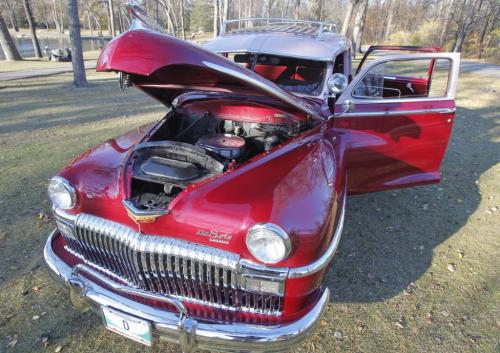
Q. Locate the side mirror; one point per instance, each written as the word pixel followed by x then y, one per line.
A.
pixel 337 83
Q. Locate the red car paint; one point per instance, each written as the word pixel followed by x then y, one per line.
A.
pixel 297 185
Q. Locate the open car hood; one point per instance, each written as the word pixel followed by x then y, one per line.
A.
pixel 166 67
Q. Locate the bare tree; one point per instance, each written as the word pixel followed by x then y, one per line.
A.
pixel 316 9
pixel 55 17
pixel 357 30
pixel 31 23
pixel 169 13
pixel 469 15
pixel 183 30
pixel 9 7
pixel 6 42
pixel 79 77
pixel 446 18
pixel 351 4
pixel 111 12
pixel 296 9
pixel 225 10
pixel 390 15
pixel 216 18
pixel 493 19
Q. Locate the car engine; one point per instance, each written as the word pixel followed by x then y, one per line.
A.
pixel 189 148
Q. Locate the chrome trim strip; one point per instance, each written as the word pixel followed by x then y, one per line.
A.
pixel 80 268
pixel 163 245
pixel 325 259
pixel 224 337
pixel 399 112
pixel 210 256
pixel 143 264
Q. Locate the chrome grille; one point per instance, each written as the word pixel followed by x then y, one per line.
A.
pixel 188 271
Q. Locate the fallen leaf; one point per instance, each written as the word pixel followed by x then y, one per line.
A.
pixel 12 343
pixel 337 335
pixel 452 267
pixel 36 317
pixel 58 349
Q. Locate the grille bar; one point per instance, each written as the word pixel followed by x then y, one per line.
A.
pixel 191 272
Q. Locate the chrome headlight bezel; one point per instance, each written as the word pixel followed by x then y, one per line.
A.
pixel 337 83
pixel 272 232
pixel 60 185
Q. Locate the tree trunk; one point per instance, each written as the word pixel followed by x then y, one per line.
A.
pixel 390 15
pixel 296 9
pixel 31 23
pixel 61 16
pixel 157 12
pixel 225 10
pixel 121 25
pixel 358 26
pixel 317 9
pixel 348 14
pixel 54 16
pixel 216 18
pixel 465 23
pixel 9 48
pixel 89 22
pixel 12 15
pixel 359 40
pixel 111 14
pixel 482 36
pixel 79 78
pixel 447 19
pixel 13 21
pixel 183 31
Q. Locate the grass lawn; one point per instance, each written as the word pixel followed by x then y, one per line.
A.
pixel 392 288
pixel 40 64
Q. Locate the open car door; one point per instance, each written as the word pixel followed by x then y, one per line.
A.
pixel 375 51
pixel 397 134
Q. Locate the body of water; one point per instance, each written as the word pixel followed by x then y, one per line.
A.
pixel 25 46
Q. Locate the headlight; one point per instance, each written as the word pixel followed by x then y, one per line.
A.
pixel 62 194
pixel 268 243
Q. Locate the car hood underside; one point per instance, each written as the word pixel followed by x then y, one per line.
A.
pixel 166 67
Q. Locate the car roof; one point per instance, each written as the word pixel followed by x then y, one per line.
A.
pixel 323 47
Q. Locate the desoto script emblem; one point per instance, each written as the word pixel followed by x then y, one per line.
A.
pixel 215 236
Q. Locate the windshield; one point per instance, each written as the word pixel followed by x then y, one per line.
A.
pixel 291 74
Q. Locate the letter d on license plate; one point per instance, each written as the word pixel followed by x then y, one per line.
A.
pixel 129 326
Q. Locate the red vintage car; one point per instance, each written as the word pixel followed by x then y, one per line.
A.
pixel 213 228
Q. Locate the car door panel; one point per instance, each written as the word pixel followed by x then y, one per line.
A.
pixel 394 143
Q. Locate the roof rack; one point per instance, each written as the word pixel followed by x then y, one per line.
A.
pixel 267 25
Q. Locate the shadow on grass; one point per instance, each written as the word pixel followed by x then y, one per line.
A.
pixel 29 105
pixel 389 237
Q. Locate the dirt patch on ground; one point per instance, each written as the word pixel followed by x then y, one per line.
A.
pixel 416 271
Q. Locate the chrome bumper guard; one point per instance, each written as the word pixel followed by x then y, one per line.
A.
pixel 177 327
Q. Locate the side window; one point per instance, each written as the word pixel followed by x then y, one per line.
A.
pixel 419 78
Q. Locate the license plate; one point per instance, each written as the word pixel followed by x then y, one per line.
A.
pixel 129 326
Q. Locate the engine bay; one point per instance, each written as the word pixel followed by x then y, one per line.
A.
pixel 190 147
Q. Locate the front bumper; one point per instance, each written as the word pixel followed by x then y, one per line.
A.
pixel 176 327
